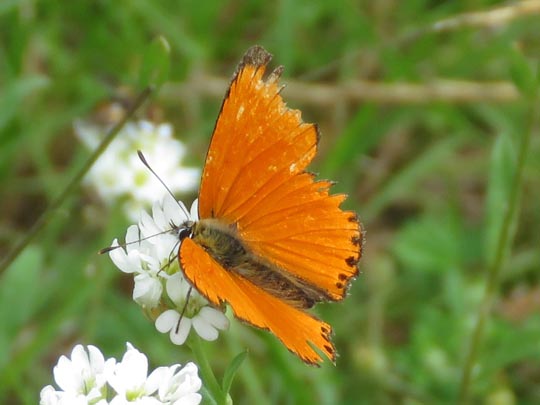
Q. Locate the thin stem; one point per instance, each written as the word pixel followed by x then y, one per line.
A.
pixel 494 269
pixel 354 91
pixel 51 210
pixel 212 385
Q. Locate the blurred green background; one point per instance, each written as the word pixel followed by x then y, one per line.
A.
pixel 424 107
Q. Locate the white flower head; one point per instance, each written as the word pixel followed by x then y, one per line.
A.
pixel 130 379
pixel 151 253
pixel 181 387
pixel 139 258
pixel 81 378
pixel 118 173
pixel 126 382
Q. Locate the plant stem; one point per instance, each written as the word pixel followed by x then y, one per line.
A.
pixel 494 269
pixel 51 210
pixel 208 377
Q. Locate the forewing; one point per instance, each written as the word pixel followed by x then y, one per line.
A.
pixel 257 144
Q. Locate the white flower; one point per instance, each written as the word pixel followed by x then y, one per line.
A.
pixel 126 382
pixel 151 249
pixel 81 378
pixel 204 319
pixel 181 387
pixel 130 379
pixel 151 253
pixel 139 258
pixel 118 173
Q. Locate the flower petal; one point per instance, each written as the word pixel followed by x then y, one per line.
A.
pixel 214 317
pixel 119 258
pixel 129 374
pixel 204 329
pixel 173 212
pixel 177 289
pixel 133 235
pixel 147 290
pixel 190 399
pixel 179 334
pixel 194 212
pixel 147 225
pixel 155 379
pixel 167 320
pixel 159 216
pixel 97 361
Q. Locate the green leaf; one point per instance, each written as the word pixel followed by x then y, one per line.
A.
pixel 156 63
pixel 501 175
pixel 231 371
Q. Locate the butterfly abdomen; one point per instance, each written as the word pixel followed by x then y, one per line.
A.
pixel 223 244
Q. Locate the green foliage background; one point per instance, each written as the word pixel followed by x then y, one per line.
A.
pixel 429 170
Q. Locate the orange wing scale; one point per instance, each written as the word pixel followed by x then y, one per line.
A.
pixel 293 327
pixel 255 178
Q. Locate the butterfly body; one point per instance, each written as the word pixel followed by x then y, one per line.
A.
pixel 223 243
pixel 271 240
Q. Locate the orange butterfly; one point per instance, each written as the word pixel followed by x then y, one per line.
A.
pixel 271 241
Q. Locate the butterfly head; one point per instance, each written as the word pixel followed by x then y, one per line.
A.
pixel 184 230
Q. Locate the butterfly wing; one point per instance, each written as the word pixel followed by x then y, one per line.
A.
pixel 255 306
pixel 255 177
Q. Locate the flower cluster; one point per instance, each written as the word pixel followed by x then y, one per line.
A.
pixel 87 378
pixel 150 253
pixel 118 173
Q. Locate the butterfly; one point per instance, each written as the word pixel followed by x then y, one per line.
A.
pixel 271 241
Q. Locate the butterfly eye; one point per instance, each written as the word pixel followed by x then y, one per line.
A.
pixel 185 230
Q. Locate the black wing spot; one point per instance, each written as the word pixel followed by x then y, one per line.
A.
pixel 351 261
pixel 342 276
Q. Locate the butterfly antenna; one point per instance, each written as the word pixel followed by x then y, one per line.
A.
pixel 110 248
pixel 143 159
pixel 183 309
